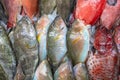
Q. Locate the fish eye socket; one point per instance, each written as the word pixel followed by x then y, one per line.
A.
pixel 112 2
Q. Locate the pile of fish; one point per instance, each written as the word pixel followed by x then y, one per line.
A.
pixel 59 39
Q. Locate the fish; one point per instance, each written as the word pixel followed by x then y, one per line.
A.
pixel 46 6
pixel 56 42
pixel 26 46
pixel 102 67
pixel 103 41
pixel 104 61
pixel 12 9
pixel 80 71
pixel 64 71
pixel 78 39
pixel 43 71
pixel 7 58
pixel 42 27
pixel 19 73
pixel 110 14
pixel 30 7
pixel 89 10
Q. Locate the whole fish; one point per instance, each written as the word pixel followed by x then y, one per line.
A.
pixel 78 41
pixel 64 71
pixel 7 59
pixel 43 71
pixel 103 63
pixel 42 27
pixel 80 72
pixel 64 8
pixel 26 47
pixel 56 42
pixel 46 6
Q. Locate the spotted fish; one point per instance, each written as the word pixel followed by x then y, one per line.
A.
pixel 26 47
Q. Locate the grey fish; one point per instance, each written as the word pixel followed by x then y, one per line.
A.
pixel 7 59
pixel 64 72
pixel 46 6
pixel 80 72
pixel 56 42
pixel 43 71
pixel 26 47
pixel 64 8
pixel 42 27
pixel 78 41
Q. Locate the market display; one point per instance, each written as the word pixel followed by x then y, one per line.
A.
pixel 59 39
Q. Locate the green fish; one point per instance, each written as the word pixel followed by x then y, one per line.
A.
pixel 56 42
pixel 26 47
pixel 43 71
pixel 80 72
pixel 64 71
pixel 78 41
pixel 42 27
pixel 7 59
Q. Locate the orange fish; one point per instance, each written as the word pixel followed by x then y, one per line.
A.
pixel 30 7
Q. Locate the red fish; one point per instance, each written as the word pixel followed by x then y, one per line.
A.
pixel 110 15
pixel 103 64
pixel 103 41
pixel 13 8
pixel 30 7
pixel 102 67
pixel 89 10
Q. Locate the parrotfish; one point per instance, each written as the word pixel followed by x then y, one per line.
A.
pixel 26 47
pixel 78 41
pixel 56 42
pixel 43 72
